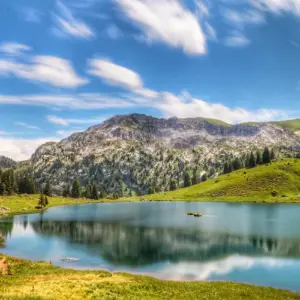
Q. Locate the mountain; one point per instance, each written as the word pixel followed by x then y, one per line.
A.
pixel 138 152
pixel 6 162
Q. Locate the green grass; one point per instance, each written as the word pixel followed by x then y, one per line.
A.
pixel 292 125
pixel 216 122
pixel 255 184
pixel 20 204
pixel 31 280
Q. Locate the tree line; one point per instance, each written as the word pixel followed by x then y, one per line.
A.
pixel 250 161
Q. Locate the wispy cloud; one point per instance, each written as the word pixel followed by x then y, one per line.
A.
pixel 278 6
pixel 68 25
pixel 13 48
pixel 295 44
pixel 26 125
pixel 166 21
pixel 69 121
pixel 250 16
pixel 139 96
pixel 114 74
pixel 236 39
pixel 52 70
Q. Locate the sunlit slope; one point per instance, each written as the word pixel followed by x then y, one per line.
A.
pixel 292 125
pixel 278 181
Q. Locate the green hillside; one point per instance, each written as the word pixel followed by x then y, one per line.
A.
pixel 292 125
pixel 276 182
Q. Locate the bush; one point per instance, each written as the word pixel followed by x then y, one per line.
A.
pixel 275 194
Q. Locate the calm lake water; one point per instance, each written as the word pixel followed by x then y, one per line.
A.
pixel 251 243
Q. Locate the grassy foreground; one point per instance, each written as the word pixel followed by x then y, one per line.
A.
pixel 257 184
pixel 31 280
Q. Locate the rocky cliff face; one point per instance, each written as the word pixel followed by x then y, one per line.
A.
pixel 135 152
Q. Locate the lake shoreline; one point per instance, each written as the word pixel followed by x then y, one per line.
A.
pixel 28 279
pixel 18 204
pixel 181 283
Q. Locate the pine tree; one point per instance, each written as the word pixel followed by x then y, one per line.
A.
pixel 247 161
pixel 48 189
pixel 88 192
pixel 130 193
pixel 258 158
pixel 8 178
pixel 236 164
pixel 43 201
pixel 76 189
pixel 187 180
pixel 226 168
pixel 2 188
pixel 95 194
pixel 272 155
pixel 46 201
pixel 66 191
pixel 194 179
pixel 252 160
pixel 150 191
pixel 266 156
pixel 204 177
pixel 173 185
pixel 102 195
pixel 30 185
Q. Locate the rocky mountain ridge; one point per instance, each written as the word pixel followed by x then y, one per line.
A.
pixel 135 152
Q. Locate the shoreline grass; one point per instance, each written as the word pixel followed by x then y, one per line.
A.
pixel 39 280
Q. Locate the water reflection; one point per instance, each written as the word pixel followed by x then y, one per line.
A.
pixel 257 244
pixel 126 245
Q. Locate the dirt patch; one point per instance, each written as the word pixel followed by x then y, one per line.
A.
pixel 3 266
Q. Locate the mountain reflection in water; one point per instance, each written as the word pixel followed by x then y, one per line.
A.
pixel 257 244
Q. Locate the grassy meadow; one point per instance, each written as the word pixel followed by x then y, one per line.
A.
pixel 276 182
pixel 38 280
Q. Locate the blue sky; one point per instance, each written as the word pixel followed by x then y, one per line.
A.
pixel 67 65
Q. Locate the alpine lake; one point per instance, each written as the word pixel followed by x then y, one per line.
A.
pixel 250 243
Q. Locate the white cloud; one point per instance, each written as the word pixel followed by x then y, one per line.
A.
pixel 68 25
pixel 76 101
pixel 210 32
pixel 278 6
pixel 57 120
pixel 236 39
pixel 187 106
pixel 202 8
pixel 21 149
pixel 169 104
pixel 26 125
pixel 53 70
pixel 241 18
pixel 66 122
pixel 13 48
pixel 206 270
pixel 114 74
pixel 167 21
pixel 183 105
